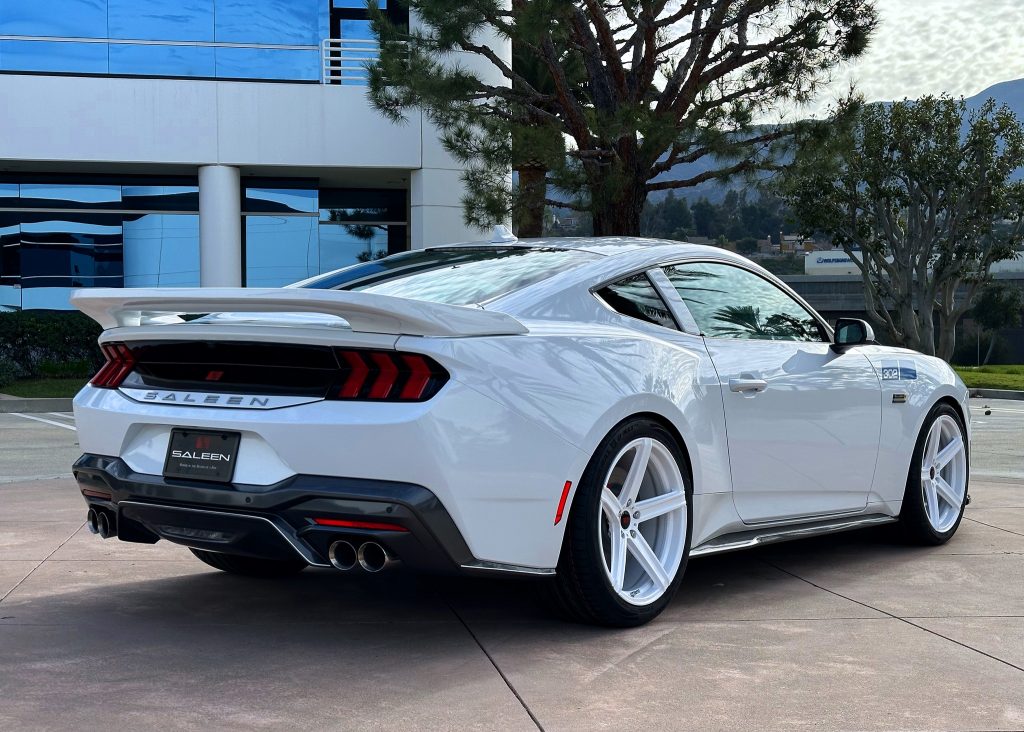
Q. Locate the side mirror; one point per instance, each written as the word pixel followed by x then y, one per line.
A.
pixel 851 332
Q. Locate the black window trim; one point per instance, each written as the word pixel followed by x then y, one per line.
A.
pixel 595 291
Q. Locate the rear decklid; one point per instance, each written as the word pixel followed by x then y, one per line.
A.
pixel 363 312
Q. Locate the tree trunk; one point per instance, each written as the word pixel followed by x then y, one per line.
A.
pixel 620 216
pixel 947 339
pixel 530 208
pixel 991 347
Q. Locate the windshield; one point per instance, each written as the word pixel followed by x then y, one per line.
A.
pixel 454 275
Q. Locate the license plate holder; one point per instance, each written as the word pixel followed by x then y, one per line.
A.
pixel 202 455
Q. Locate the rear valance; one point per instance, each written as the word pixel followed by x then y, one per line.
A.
pixel 364 312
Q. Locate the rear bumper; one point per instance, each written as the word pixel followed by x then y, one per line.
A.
pixel 276 521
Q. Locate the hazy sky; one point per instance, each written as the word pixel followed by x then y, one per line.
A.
pixel 931 46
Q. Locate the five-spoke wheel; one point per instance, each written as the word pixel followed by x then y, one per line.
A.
pixel 937 486
pixel 628 535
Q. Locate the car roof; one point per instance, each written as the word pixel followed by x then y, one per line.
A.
pixel 608 246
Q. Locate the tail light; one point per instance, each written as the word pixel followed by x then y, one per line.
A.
pixel 387 376
pixel 120 363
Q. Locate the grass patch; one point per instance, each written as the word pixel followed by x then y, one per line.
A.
pixel 992 377
pixel 35 388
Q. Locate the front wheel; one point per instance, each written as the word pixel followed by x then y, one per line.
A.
pixel 936 492
pixel 628 536
pixel 250 566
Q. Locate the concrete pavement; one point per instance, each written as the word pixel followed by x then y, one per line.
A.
pixel 854 632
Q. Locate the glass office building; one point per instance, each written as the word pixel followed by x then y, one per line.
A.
pixel 114 111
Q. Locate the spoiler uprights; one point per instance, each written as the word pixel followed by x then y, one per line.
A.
pixel 364 312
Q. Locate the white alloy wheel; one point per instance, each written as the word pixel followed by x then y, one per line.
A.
pixel 642 522
pixel 943 473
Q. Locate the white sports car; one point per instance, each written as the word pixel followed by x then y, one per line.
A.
pixel 592 411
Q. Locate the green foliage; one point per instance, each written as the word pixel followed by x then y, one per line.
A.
pixel 35 344
pixel 999 306
pixel 923 191
pixel 993 377
pixel 632 90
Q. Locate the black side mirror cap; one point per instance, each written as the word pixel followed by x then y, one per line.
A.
pixel 851 332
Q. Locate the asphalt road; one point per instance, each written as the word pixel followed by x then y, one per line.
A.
pixel 854 632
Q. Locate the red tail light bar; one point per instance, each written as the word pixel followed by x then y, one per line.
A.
pixel 387 376
pixel 120 363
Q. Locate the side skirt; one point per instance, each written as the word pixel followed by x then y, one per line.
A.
pixel 771 535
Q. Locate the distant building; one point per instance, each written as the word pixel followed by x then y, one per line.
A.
pixel 214 142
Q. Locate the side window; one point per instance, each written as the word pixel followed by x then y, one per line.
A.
pixel 731 302
pixel 636 297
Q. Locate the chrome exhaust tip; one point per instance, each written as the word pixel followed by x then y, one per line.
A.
pixel 342 555
pixel 106 525
pixel 373 557
pixel 92 521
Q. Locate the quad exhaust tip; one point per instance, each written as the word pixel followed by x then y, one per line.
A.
pixel 342 555
pixel 373 557
pixel 92 521
pixel 106 525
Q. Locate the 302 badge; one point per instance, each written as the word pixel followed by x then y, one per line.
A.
pixel 898 371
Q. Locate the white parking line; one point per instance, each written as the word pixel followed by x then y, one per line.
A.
pixel 62 415
pixel 47 421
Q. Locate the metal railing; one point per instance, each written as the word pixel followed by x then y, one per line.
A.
pixel 344 60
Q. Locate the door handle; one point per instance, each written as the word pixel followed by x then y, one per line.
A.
pixel 747 385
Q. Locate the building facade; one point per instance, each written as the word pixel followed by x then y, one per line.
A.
pixel 203 142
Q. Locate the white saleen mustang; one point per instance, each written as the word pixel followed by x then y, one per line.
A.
pixel 593 411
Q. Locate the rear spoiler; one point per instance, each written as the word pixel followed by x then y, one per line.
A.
pixel 364 312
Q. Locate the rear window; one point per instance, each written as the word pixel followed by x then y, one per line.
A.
pixel 456 275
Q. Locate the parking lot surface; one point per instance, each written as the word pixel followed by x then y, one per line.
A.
pixel 853 632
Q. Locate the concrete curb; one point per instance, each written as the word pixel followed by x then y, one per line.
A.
pixel 35 405
pixel 986 394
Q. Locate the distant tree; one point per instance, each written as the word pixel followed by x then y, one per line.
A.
pixel 921 195
pixel 663 85
pixel 707 219
pixel 999 306
pixel 746 245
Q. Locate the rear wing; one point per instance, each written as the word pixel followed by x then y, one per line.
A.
pixel 364 312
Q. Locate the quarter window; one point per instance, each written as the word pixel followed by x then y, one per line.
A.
pixel 636 297
pixel 731 302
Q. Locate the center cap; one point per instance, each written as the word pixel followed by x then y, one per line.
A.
pixel 625 519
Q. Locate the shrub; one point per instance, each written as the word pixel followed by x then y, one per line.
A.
pixel 42 343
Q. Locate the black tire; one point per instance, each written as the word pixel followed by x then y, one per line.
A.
pixel 581 588
pixel 250 566
pixel 914 524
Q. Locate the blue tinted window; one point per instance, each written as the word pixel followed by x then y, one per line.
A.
pixel 161 250
pixel 61 18
pixel 57 195
pixel 357 4
pixel 150 60
pixel 160 198
pixel 267 63
pixel 85 58
pixel 280 249
pixel 280 200
pixel 160 20
pixel 284 22
pixel 348 244
pixel 357 30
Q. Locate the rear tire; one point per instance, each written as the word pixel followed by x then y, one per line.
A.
pixel 250 566
pixel 628 534
pixel 936 493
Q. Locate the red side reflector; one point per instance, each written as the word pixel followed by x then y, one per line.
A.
pixel 96 494
pixel 561 501
pixel 346 524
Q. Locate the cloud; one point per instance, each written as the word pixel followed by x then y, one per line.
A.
pixel 933 46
